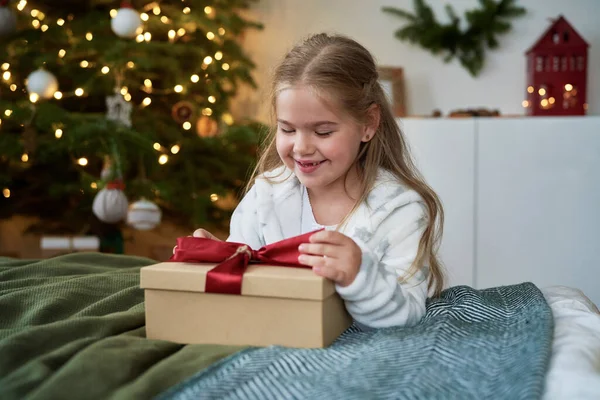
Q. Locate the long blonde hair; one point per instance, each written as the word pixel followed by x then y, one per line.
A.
pixel 346 72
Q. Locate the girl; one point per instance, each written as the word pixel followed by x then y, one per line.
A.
pixel 337 159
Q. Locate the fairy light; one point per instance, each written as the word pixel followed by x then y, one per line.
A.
pixel 34 97
pixel 211 99
pixel 89 36
pixel 227 118
pixel 542 91
pixel 164 19
pixel 6 192
pixel 41 16
pixel 163 159
pixel 34 13
pixel 157 146
pixel 105 70
pixel 568 87
pixel 146 102
pixel 207 111
pixel 225 66
pixel 175 149
pixel 58 95
pixel 139 38
pixel 144 17
pixel 25 157
pixel 218 55
pixel 84 64
pixel 22 5
pixel 544 103
pixel 127 97
pixel 35 23
pixel 221 31
pixel 44 28
pixel 148 83
pixel 530 89
pixel 178 88
pixel 8 113
pixel 551 100
pixel 5 66
pixel 187 125
pixel 208 10
pixel 58 133
pixel 214 197
pixel 156 10
pixel 208 60
pixel 147 36
pixel 113 13
pixel 124 90
pixel 60 22
pixel 6 75
pixel 13 87
pixel 172 34
pixel 210 36
pixel 195 78
pixel 181 32
pixel 61 53
pixel 94 185
pixel 130 64
pixel 82 161
pixel 79 92
pixel 525 104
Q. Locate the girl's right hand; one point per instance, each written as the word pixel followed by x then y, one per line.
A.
pixel 203 233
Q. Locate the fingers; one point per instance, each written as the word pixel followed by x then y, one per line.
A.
pixel 203 233
pixel 323 266
pixel 318 249
pixel 331 237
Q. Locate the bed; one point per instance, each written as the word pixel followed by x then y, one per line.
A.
pixel 73 327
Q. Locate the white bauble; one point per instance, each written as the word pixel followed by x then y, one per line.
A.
pixel 8 21
pixel 110 205
pixel 126 23
pixel 42 83
pixel 144 215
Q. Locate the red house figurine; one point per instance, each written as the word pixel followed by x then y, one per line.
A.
pixel 557 72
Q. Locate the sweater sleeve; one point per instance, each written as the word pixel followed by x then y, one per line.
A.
pixel 244 225
pixel 377 298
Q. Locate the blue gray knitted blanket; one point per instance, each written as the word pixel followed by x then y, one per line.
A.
pixel 471 344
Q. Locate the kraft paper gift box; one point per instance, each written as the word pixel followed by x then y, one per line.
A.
pixel 275 305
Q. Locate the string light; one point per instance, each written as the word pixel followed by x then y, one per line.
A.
pixel 542 91
pixel 58 95
pixel 148 83
pixel 113 13
pixel 147 101
pixel 82 161
pixel 84 64
pixel 5 66
pixel 94 185
pixel 105 70
pixel 89 36
pixel 568 87
pixel 208 9
pixel 175 149
pixel 8 113
pixel 164 19
pixel 194 78
pixel 218 55
pixel 61 53
pixel 172 34
pixel 227 118
pixel 41 16
pixel 181 32
pixel 530 89
pixel 156 10
pixel 187 125
pixel 207 60
pixel 6 192
pixel 34 97
pixel 551 100
pixel 13 87
pixel 525 103
pixel 211 99
pixel 178 88
pixel 130 64
pixel 25 157
pixel 22 5
pixel 6 75
pixel 163 159
pixel 139 38
pixel 124 90
pixel 210 36
pixel 225 66
pixel 60 22
pixel 58 133
pixel 221 31
pixel 144 17
pixel 44 28
pixel 157 146
pixel 207 111
pixel 187 10
pixel 79 92
pixel 127 97
pixel 34 13
pixel 35 23
pixel 148 36
pixel 214 197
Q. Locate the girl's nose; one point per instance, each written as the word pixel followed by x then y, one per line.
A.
pixel 303 144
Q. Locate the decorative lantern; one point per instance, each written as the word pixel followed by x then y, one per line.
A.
pixel 557 72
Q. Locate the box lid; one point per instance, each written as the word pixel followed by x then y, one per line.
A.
pixel 259 280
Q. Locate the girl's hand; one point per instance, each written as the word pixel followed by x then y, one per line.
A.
pixel 332 255
pixel 202 233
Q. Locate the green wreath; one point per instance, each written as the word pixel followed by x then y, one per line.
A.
pixel 484 24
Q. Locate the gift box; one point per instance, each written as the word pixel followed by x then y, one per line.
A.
pixel 225 293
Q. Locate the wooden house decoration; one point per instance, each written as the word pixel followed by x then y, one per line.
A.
pixel 557 72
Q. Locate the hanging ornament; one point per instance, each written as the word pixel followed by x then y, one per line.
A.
pixel 8 19
pixel 143 215
pixel 207 127
pixel 107 172
pixel 182 111
pixel 119 109
pixel 42 83
pixel 127 21
pixel 110 204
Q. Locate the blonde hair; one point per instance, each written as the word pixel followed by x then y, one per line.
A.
pixel 346 72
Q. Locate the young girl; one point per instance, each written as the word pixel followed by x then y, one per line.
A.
pixel 337 159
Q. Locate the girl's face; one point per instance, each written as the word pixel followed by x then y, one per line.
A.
pixel 315 141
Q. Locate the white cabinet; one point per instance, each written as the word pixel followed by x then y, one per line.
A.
pixel 522 198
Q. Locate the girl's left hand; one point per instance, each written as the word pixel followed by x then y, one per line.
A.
pixel 332 255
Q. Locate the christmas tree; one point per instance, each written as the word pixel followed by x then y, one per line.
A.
pixel 105 103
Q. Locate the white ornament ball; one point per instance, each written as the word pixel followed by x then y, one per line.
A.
pixel 126 23
pixel 8 21
pixel 42 83
pixel 110 205
pixel 144 215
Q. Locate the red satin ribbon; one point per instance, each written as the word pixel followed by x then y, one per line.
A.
pixel 233 259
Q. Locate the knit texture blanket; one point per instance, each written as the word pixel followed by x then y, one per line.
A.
pixel 472 344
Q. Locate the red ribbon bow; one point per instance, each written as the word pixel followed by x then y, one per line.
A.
pixel 233 259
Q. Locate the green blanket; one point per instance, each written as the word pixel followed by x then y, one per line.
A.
pixel 73 327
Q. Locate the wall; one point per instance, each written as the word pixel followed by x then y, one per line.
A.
pixel 430 83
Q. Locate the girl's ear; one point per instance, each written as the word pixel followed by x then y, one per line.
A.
pixel 373 118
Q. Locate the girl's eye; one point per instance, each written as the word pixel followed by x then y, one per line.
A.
pixel 286 130
pixel 324 133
